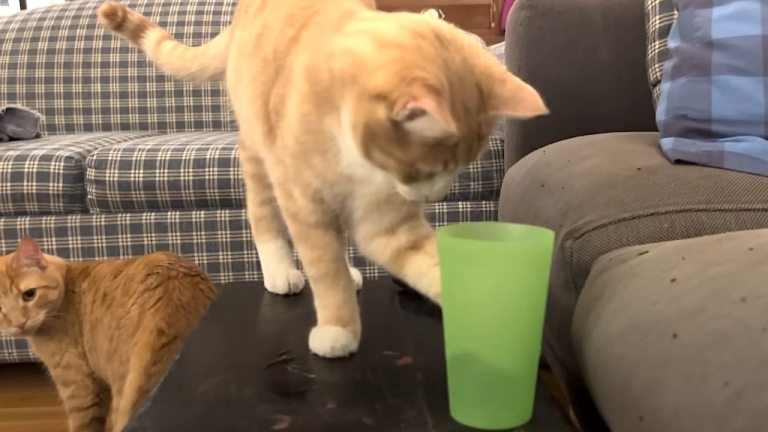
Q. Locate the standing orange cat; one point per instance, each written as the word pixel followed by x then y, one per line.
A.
pixel 349 119
pixel 106 330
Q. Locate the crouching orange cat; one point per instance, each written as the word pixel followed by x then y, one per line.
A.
pixel 106 330
pixel 349 119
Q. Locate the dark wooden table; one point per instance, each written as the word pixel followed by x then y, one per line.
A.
pixel 247 368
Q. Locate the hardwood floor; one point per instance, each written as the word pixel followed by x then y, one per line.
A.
pixel 28 400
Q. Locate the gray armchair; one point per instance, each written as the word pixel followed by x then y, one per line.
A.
pixel 655 318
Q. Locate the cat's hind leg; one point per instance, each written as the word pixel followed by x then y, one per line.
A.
pixel 267 227
pixel 154 350
pixel 171 305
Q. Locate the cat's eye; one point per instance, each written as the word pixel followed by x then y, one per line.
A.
pixel 29 295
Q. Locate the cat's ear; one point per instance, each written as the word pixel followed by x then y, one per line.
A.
pixel 29 255
pixel 425 116
pixel 512 97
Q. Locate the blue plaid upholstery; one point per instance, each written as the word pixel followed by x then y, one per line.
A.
pixel 713 108
pixel 482 179
pixel 659 16
pixel 60 62
pixel 141 162
pixel 180 171
pixel 15 350
pixel 45 176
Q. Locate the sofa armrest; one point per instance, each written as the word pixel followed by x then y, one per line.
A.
pixel 587 59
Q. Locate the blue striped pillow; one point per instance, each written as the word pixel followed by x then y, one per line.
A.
pixel 713 108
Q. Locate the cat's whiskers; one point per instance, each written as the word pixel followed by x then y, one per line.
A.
pixel 48 318
pixel 11 331
pixel 34 322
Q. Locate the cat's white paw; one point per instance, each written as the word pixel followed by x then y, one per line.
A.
pixel 357 277
pixel 289 281
pixel 333 341
pixel 280 274
pixel 437 298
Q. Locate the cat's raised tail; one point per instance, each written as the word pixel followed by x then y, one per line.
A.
pixel 201 63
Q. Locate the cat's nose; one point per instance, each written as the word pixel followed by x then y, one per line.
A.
pixel 22 326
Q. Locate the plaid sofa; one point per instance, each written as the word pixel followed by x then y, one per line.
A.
pixel 133 161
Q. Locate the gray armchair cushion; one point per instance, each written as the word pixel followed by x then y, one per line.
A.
pixel 604 192
pixel 671 337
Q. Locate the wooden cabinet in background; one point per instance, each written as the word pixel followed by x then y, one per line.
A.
pixel 477 16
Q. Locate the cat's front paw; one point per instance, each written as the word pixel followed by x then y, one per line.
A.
pixel 290 281
pixel 333 341
pixel 357 277
pixel 437 298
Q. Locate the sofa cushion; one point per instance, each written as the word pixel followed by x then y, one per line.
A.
pixel 45 176
pixel 201 170
pixel 181 171
pixel 15 350
pixel 671 336
pixel 714 89
pixel 659 16
pixel 482 179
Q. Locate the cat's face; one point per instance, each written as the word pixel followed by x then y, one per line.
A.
pixel 421 155
pixel 31 289
pixel 427 106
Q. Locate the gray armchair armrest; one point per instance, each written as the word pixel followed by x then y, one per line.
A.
pixel 587 59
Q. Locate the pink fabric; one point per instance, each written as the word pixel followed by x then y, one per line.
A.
pixel 505 12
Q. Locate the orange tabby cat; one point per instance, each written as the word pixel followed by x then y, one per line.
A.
pixel 106 330
pixel 349 119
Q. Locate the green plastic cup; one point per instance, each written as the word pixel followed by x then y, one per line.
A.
pixel 495 279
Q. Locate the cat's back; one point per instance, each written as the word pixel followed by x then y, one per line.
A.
pixel 164 265
pixel 166 272
pixel 132 287
pixel 178 280
pixel 269 38
pixel 133 270
pixel 269 28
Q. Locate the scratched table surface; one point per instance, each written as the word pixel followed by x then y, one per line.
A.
pixel 247 368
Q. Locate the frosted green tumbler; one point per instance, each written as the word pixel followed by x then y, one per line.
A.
pixel 495 279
